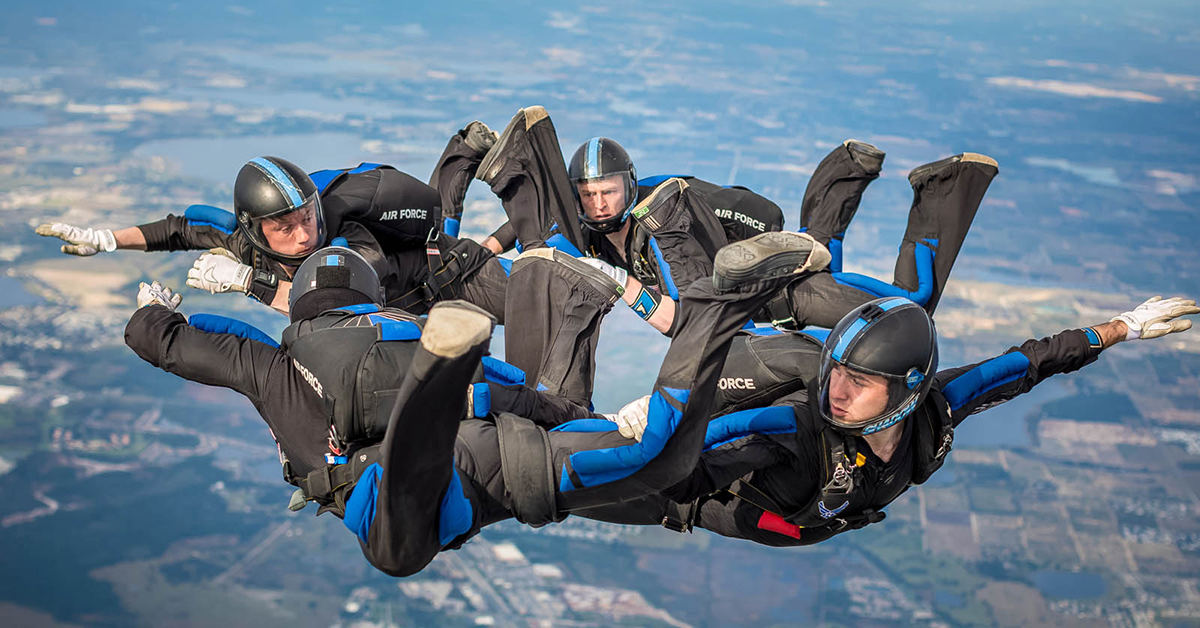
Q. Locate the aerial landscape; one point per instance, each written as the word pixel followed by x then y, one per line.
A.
pixel 132 497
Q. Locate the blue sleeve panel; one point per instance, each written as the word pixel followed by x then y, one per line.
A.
pixel 209 216
pixel 655 181
pixel 339 241
pixel 395 330
pixel 601 466
pixel 731 427
pixel 923 255
pixel 481 399
pixel 217 324
pixel 506 264
pixel 360 506
pixel 995 372
pixel 454 514
pixel 835 253
pixel 450 227
pixel 664 270
pixel 501 373
pixel 587 425
pixel 560 242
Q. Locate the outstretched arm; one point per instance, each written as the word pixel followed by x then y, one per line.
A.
pixel 979 386
pixel 163 337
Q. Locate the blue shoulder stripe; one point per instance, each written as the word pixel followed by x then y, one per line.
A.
pixel 655 181
pixel 216 324
pixel 362 308
pixel 390 330
pixel 209 216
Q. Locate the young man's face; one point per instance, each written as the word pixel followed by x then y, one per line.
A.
pixel 602 198
pixel 294 233
pixel 856 397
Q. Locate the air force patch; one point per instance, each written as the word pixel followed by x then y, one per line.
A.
pixel 827 513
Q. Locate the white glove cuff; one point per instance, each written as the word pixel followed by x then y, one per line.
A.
pixel 1134 327
pixel 105 240
pixel 241 278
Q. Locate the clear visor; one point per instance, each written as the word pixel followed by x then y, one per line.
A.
pixel 290 235
pixel 862 402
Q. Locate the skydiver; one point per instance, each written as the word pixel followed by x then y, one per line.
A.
pixel 281 215
pixel 830 432
pixel 673 234
pixel 421 478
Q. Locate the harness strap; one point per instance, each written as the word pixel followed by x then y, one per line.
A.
pixel 779 310
pixel 679 517
pixel 442 273
pixel 330 484
pixel 530 485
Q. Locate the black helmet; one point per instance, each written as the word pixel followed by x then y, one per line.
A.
pixel 601 158
pixel 890 337
pixel 270 188
pixel 332 277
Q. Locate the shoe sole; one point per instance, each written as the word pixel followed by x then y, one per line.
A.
pixel 454 327
pixel 598 279
pixel 479 137
pixel 524 120
pixel 923 172
pixel 644 212
pixel 766 256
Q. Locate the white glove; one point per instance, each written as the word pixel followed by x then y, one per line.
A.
pixel 82 242
pixel 631 419
pixel 219 271
pixel 1156 317
pixel 157 294
pixel 616 274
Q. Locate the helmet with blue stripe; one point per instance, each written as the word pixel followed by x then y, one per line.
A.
pixel 332 277
pixel 268 190
pixel 892 340
pixel 602 159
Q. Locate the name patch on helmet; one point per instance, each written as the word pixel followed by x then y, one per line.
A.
pixel 309 377
pixel 404 214
pixel 736 383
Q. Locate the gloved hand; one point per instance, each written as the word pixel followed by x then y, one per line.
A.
pixel 157 294
pixel 219 271
pixel 79 241
pixel 617 274
pixel 631 419
pixel 1156 317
